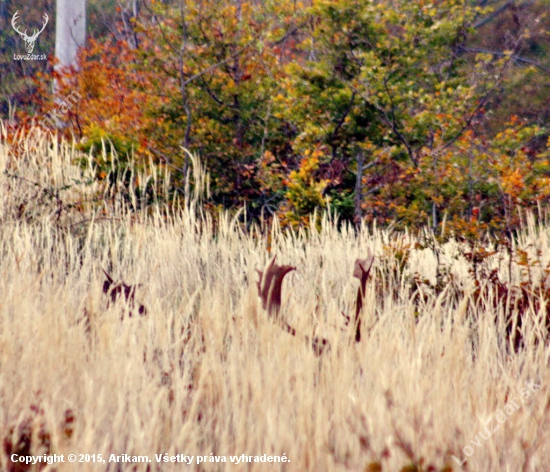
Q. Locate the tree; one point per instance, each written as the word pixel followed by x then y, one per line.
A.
pixel 382 109
pixel 70 30
pixel 400 70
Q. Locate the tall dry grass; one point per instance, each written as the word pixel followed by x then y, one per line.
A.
pixel 205 371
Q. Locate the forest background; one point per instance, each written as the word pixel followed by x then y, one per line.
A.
pixel 394 112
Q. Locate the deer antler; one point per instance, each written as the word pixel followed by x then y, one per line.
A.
pixel 361 271
pixel 120 289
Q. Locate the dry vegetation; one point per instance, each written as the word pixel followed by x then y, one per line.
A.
pixel 206 370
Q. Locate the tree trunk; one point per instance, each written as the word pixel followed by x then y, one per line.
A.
pixel 359 190
pixel 70 30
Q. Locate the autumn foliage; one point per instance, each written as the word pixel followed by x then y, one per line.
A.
pixel 384 112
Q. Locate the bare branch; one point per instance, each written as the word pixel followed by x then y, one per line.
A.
pixel 515 57
pixel 390 121
pixel 493 15
pixel 215 66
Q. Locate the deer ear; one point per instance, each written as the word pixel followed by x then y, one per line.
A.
pixel 270 286
pixel 109 278
pixel 367 265
pixel 259 281
pixel 106 286
pixel 361 271
pixel 271 264
pixel 363 266
pixel 358 268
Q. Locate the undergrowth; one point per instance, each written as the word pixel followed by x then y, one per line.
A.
pixel 452 330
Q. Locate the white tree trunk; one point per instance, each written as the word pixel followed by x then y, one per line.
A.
pixel 70 30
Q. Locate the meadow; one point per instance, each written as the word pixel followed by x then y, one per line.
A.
pixel 206 372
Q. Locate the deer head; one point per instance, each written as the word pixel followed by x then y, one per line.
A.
pixel 120 290
pixel 269 289
pixel 29 40
pixel 270 286
pixel 361 271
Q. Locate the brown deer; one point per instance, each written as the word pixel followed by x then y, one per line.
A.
pixel 270 290
pixel 361 271
pixel 115 292
pixel 122 291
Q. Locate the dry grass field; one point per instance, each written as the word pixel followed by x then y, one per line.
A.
pixel 206 372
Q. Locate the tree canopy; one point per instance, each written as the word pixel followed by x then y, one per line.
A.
pixel 407 112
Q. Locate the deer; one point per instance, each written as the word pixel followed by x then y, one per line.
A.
pixel 119 291
pixel 122 291
pixel 361 271
pixel 29 40
pixel 270 292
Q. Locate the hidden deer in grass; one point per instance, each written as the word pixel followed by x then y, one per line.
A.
pixel 115 291
pixel 270 291
pixel 361 271
pixel 120 291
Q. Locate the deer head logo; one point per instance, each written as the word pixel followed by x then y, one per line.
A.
pixel 29 40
